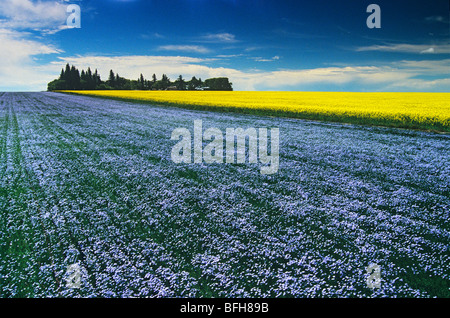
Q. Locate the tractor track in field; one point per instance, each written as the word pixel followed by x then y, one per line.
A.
pixel 21 162
pixel 71 236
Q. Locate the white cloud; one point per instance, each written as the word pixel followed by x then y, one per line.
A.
pixel 427 51
pixel 18 68
pixel 35 15
pixel 361 75
pixel 184 48
pixel 408 48
pixel 441 85
pixel 425 67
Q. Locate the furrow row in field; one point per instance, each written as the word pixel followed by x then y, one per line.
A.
pixel 4 119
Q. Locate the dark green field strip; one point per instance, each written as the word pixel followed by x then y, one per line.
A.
pixel 59 231
pixel 57 240
pixel 19 220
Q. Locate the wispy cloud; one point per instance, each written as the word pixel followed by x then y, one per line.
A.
pixel 284 33
pixel 260 59
pixel 151 36
pixel 184 48
pixel 218 38
pixel 227 56
pixel 408 48
pixel 437 19
pixel 425 67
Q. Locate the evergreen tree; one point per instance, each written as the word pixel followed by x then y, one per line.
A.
pixel 117 82
pixel 112 79
pixel 97 79
pixel 67 72
pixel 61 76
pixel 165 81
pixel 83 80
pixel 90 79
pixel 180 83
pixel 142 82
pixel 75 78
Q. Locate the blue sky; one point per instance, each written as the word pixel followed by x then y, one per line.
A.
pixel 259 44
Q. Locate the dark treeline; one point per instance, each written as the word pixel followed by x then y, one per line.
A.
pixel 72 79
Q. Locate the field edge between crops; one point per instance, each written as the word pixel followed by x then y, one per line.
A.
pixel 334 118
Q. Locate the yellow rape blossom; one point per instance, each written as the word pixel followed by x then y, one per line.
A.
pixel 408 110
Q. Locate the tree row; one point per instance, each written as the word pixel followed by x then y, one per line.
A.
pixel 71 79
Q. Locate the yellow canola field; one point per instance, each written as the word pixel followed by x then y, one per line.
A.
pixel 408 110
